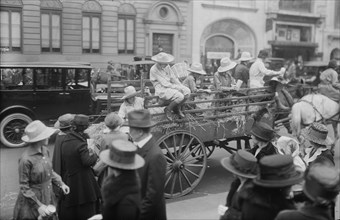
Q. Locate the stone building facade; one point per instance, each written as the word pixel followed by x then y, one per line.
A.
pixel 94 31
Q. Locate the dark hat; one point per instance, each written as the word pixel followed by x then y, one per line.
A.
pixel 112 120
pixel 64 121
pixel 317 133
pixel 322 183
pixel 262 131
pixel 332 64
pixel 81 120
pixel 140 119
pixel 241 163
pixel 277 171
pixel 123 155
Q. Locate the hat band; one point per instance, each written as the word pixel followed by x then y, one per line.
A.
pixel 278 174
pixel 122 157
pixel 243 169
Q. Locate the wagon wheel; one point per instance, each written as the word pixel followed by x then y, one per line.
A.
pixel 184 169
pixel 209 149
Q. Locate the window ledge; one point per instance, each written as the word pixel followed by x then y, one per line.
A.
pixel 296 14
pixel 215 6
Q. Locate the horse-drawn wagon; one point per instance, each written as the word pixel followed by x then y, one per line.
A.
pixel 213 119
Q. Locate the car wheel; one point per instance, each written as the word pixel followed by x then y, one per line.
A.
pixel 12 128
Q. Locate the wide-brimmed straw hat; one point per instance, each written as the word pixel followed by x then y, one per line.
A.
pixel 197 68
pixel 226 64
pixel 322 183
pixel 122 155
pixel 140 119
pixel 129 92
pixel 241 163
pixel 64 121
pixel 37 131
pixel 163 58
pixel 112 120
pixel 317 133
pixel 262 131
pixel 277 171
pixel 245 56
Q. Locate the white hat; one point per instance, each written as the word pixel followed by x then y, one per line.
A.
pixel 226 64
pixel 197 68
pixel 245 56
pixel 129 91
pixel 163 58
pixel 37 131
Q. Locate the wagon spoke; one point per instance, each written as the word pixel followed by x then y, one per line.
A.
pixel 190 152
pixel 168 158
pixel 174 145
pixel 181 144
pixel 194 158
pixel 169 178
pixel 173 183
pixel 186 178
pixel 192 172
pixel 167 148
pixel 193 165
pixel 180 182
pixel 187 146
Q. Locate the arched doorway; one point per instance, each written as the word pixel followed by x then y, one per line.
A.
pixel 217 47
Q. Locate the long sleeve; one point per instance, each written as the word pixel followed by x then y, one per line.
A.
pixel 217 82
pixel 266 71
pixel 155 75
pixel 56 179
pixel 86 158
pixel 25 167
pixel 122 111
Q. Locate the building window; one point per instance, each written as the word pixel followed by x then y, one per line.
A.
pixel 126 29
pixel 296 5
pixel 293 33
pixel 50 31
pixel 91 33
pixel 162 43
pixel 10 26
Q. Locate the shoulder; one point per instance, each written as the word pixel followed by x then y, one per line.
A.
pixel 289 215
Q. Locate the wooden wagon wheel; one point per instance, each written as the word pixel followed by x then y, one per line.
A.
pixel 184 169
pixel 209 149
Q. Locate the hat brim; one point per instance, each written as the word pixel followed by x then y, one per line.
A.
pixel 168 61
pixel 246 59
pixel 261 137
pixel 138 161
pixel 199 72
pixel 327 142
pixel 226 68
pixel 130 95
pixel 43 135
pixel 226 163
pixel 150 125
pixel 57 126
pixel 279 183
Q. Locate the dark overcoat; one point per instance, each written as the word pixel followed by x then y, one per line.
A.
pixel 152 176
pixel 121 197
pixel 307 212
pixel 78 172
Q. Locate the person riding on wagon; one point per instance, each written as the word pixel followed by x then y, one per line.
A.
pixel 167 86
pixel 195 71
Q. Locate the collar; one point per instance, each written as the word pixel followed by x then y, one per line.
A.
pixel 307 158
pixel 141 143
pixel 33 151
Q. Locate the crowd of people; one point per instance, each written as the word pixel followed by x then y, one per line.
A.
pixel 124 177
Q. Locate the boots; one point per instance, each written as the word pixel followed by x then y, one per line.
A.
pixel 171 107
pixel 181 108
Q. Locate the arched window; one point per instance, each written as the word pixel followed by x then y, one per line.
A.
pixel 91 26
pixel 51 25
pixel 10 25
pixel 126 29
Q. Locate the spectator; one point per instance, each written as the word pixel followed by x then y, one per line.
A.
pixel 36 198
pixel 223 79
pixel 322 185
pixel 113 122
pixel 269 194
pixel 244 167
pixel 258 71
pixel 121 190
pixel 242 71
pixel 152 174
pixel 329 85
pixel 83 200
pixel 131 102
pixel 314 141
pixel 167 86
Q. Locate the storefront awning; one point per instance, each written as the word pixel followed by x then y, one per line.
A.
pixel 292 44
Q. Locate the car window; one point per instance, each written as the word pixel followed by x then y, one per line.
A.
pixel 77 79
pixel 48 78
pixel 16 79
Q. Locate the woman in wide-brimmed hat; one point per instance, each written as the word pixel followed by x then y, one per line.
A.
pixel 244 167
pixel 321 186
pixel 121 190
pixel 258 71
pixel 36 197
pixel 315 144
pixel 271 189
pixel 167 86
pixel 223 79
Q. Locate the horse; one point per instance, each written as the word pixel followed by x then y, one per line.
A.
pixel 315 108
